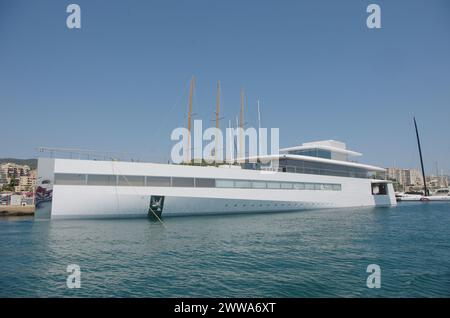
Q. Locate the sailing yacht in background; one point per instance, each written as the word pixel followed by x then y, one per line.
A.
pixel 439 195
pixel 415 196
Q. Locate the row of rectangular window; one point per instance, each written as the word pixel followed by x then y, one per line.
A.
pixel 148 181
pixel 245 184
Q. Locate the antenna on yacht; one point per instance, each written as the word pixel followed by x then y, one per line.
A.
pixel 191 92
pixel 421 159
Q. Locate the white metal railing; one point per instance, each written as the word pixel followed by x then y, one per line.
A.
pixel 89 154
pixel 317 171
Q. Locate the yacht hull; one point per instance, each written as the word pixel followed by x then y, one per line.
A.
pixel 83 200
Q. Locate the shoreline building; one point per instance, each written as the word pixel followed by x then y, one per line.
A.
pixel 405 177
pixel 412 180
pixel 24 178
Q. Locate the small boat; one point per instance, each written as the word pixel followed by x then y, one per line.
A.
pixel 409 196
pixel 442 194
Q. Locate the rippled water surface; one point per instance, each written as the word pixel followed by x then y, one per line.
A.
pixel 302 254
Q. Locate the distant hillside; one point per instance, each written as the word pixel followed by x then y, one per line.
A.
pixel 30 162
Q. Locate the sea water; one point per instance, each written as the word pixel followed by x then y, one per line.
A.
pixel 322 253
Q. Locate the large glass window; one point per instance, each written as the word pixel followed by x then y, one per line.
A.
pixel 259 184
pixel 205 183
pixel 242 184
pixel 132 181
pixel 101 180
pixel 224 183
pixel 182 182
pixel 286 185
pixel 140 181
pixel 70 179
pixel 158 181
pixel 273 185
pixel 324 153
pixel 319 153
pixel 321 168
pixel 337 187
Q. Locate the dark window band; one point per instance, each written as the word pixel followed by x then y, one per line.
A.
pixel 150 181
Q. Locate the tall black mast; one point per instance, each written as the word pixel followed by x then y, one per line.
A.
pixel 421 160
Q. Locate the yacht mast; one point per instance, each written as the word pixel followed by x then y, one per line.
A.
pixel 259 130
pixel 188 147
pixel 217 117
pixel 241 126
pixel 259 117
pixel 235 143
pixel 421 159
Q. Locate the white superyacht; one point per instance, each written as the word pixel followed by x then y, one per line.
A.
pixel 314 175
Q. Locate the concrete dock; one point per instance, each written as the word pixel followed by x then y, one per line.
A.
pixel 12 210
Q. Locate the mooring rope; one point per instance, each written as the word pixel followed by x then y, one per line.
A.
pixel 133 187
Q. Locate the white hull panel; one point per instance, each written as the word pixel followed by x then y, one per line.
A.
pixel 126 201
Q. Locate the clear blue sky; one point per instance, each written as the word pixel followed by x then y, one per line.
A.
pixel 120 82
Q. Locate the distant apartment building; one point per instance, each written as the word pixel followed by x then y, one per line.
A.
pixel 24 178
pixel 26 183
pixel 413 177
pixel 412 180
pixel 395 174
pixel 2 179
pixel 405 177
pixel 14 171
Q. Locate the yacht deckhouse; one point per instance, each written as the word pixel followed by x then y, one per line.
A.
pixel 328 149
pixel 327 157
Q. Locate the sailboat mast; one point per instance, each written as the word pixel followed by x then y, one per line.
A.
pixel 241 126
pixel 259 117
pixel 217 118
pixel 259 131
pixel 191 92
pixel 235 143
pixel 421 159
